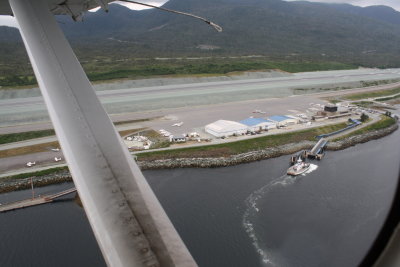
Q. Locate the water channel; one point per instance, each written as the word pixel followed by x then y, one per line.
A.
pixel 245 215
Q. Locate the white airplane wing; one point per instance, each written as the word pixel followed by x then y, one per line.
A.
pixel 74 8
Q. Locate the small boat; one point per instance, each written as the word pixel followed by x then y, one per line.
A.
pixel 298 168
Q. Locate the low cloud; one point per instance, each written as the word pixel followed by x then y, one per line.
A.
pixel 140 7
pixel 392 3
pixel 11 22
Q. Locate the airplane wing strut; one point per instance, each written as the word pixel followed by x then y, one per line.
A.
pixel 129 223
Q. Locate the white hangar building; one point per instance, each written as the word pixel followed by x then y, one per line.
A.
pixel 222 128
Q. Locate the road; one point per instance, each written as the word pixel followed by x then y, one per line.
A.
pixel 48 139
pixel 16 165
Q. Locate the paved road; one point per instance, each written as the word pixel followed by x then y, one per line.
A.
pixel 15 165
pixel 19 162
pixel 22 169
pixel 49 139
pixel 193 117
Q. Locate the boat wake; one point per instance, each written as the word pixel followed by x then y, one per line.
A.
pixel 312 168
pixel 252 209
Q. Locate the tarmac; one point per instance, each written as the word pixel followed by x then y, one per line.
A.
pixel 194 117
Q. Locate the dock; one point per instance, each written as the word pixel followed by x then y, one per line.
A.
pixel 317 151
pixel 35 201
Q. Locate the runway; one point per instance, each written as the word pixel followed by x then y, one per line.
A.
pixel 155 100
pixel 196 105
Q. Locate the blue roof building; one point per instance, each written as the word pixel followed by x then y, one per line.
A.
pixel 256 124
pixel 283 120
pixel 279 118
pixel 253 121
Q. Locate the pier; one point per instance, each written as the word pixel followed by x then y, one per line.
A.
pixel 317 151
pixel 35 201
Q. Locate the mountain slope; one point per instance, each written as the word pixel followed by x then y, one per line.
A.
pixel 379 13
pixel 274 28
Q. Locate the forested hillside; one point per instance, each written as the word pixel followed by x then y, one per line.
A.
pixel 275 30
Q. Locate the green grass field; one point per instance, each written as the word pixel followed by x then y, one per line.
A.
pixel 372 94
pixel 102 71
pixel 384 122
pixel 38 173
pixel 388 98
pixel 17 137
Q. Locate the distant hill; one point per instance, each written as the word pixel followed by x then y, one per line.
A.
pixel 368 36
pixel 380 13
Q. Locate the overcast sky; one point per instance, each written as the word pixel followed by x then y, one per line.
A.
pixel 9 21
pixel 392 3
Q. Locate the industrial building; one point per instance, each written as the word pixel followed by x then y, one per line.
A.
pixel 330 108
pixel 177 139
pixel 224 128
pixel 331 112
pixel 258 124
pixel 284 120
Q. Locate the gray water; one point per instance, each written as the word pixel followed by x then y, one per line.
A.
pixel 246 215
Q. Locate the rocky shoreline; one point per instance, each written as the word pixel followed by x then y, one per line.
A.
pixel 262 154
pixel 7 185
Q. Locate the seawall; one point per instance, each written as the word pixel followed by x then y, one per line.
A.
pixel 7 184
pixel 262 154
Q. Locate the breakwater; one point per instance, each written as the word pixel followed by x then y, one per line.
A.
pixel 362 138
pixel 8 184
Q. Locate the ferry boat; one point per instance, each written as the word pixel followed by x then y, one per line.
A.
pixel 298 168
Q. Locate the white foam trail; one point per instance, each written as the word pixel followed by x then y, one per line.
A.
pixel 312 168
pixel 287 180
pixel 252 210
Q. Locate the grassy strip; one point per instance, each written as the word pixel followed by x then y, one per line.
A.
pixel 38 173
pixel 364 104
pixel 388 98
pixel 237 147
pixel 384 122
pixel 15 80
pixel 212 69
pixel 379 82
pixel 130 131
pixel 114 71
pixel 333 100
pixel 232 148
pixel 45 146
pixel 373 94
pixel 17 137
pixel 28 149
pixel 130 121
